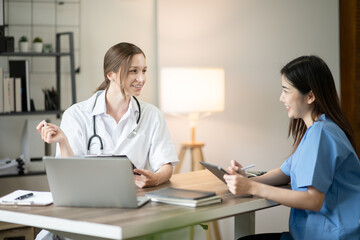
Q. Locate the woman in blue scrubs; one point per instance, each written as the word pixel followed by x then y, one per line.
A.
pixel 323 168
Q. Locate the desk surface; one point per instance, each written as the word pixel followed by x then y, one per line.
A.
pixel 117 223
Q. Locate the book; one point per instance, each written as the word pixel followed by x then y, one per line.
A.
pixel 1 90
pixel 26 198
pixel 17 95
pixel 8 89
pixel 184 197
pixel 20 69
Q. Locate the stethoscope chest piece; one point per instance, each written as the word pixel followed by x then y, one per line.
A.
pixel 132 134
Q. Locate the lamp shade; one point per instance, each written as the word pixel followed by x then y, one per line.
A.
pixel 192 90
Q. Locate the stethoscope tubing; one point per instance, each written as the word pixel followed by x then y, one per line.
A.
pixel 94 126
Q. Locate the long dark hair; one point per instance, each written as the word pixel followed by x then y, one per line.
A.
pixel 118 56
pixel 310 73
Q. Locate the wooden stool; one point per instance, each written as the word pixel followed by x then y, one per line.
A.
pixel 196 157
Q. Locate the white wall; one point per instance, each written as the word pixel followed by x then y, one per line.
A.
pixel 252 40
pixel 106 23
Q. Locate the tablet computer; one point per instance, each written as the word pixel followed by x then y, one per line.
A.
pixel 216 170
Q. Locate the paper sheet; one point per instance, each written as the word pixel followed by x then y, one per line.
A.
pixel 38 199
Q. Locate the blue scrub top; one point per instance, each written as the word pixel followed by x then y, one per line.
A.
pixel 326 160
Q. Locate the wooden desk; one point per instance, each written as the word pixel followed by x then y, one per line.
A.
pixel 117 223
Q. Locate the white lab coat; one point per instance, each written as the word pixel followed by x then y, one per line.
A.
pixel 147 144
pixel 150 147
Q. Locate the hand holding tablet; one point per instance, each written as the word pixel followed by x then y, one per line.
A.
pixel 219 171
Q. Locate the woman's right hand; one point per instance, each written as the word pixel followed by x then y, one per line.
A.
pixel 50 133
pixel 237 180
pixel 235 168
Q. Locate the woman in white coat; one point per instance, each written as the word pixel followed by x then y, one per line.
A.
pixel 113 121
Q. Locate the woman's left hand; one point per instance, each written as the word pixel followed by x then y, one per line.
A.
pixel 151 179
pixel 145 179
pixel 238 184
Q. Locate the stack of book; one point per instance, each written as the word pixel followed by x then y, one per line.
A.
pixel 15 90
pixel 184 197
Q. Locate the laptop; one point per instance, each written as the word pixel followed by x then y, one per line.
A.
pixel 92 182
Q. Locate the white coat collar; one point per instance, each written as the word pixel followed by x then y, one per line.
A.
pixel 97 104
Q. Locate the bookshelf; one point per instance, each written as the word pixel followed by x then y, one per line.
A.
pixel 45 19
pixel 57 55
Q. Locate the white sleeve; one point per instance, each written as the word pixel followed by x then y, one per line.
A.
pixel 74 130
pixel 162 149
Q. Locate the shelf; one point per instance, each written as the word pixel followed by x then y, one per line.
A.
pixel 43 112
pixel 34 54
pixel 46 2
pixel 24 175
pixel 42 25
pixel 57 54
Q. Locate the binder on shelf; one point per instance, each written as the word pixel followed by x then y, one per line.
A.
pixel 20 69
pixel 17 95
pixel 8 88
pixel 1 91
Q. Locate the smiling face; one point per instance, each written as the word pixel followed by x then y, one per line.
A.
pixel 297 104
pixel 136 76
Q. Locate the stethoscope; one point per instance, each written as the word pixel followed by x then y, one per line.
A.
pixel 98 137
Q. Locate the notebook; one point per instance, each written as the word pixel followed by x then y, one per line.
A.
pixel 185 197
pixel 27 197
pixel 92 182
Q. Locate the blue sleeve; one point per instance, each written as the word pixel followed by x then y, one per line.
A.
pixel 286 166
pixel 317 157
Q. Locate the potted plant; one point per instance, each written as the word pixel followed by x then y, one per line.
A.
pixel 23 44
pixel 37 45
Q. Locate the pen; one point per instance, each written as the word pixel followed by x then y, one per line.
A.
pixel 24 196
pixel 247 167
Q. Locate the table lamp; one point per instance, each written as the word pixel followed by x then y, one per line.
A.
pixel 193 93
